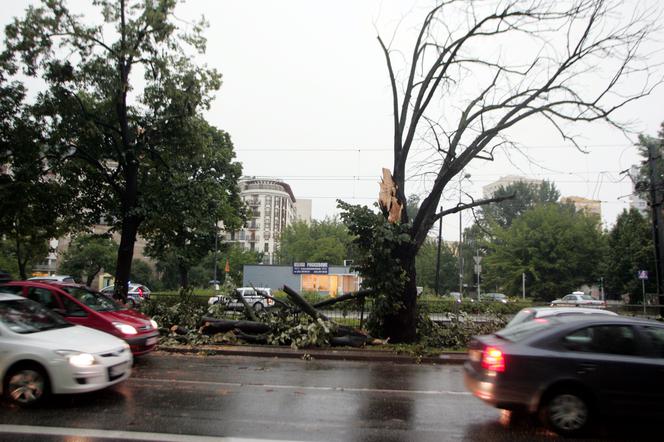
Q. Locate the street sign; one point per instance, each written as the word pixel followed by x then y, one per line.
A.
pixel 477 259
pixel 478 269
pixel 643 274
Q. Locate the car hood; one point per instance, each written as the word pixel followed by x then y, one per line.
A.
pixel 129 316
pixel 77 338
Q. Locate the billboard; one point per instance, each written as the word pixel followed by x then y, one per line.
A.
pixel 310 268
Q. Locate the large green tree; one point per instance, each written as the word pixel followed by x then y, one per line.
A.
pixel 319 241
pixel 116 92
pixel 463 88
pixel 87 255
pixel 202 182
pixel 524 196
pixel 35 203
pixel 630 249
pixel 557 248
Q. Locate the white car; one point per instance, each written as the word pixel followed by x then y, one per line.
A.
pixel 136 293
pixel 41 353
pixel 254 299
pixel 52 278
pixel 532 313
pixel 578 299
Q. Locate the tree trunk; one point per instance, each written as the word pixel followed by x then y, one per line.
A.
pixel 183 270
pixel 401 327
pixel 125 255
pixel 21 262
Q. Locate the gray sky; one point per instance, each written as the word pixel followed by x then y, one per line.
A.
pixel 306 98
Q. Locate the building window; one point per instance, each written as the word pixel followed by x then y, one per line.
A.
pixel 266 247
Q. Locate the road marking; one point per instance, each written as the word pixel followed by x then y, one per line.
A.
pixel 302 387
pixel 127 435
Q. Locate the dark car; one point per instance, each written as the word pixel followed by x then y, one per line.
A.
pixel 81 305
pixel 571 370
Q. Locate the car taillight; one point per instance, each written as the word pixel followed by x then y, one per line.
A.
pixel 493 359
pixel 140 292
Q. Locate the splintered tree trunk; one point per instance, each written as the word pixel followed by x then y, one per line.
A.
pixel 401 326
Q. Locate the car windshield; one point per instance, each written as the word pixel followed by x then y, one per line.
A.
pixel 525 329
pixel 25 316
pixel 94 300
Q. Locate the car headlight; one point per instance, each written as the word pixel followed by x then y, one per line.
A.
pixel 125 328
pixel 77 359
pixel 154 323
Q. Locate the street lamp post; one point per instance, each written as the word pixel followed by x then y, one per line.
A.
pixel 440 233
pixel 461 177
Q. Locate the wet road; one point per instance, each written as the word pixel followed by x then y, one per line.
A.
pixel 176 397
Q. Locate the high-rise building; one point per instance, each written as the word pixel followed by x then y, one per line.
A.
pixel 490 189
pixel 272 207
pixel 584 204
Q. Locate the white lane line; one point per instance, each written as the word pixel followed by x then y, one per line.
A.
pixel 128 435
pixel 302 387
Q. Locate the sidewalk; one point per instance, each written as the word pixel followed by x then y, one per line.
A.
pixel 346 354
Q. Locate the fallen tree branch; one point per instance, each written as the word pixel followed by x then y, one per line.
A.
pixel 303 304
pixel 345 297
pixel 212 326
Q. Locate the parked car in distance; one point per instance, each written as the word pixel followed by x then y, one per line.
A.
pixel 497 297
pixel 456 296
pixel 53 278
pixel 571 370
pixel 83 306
pixel 42 354
pixel 136 293
pixel 254 299
pixel 531 313
pixel 578 299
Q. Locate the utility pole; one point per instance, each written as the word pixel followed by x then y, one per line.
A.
pixel 440 233
pixel 657 221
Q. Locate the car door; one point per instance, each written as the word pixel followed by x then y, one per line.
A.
pixel 653 337
pixel 46 297
pixel 610 360
pixel 75 313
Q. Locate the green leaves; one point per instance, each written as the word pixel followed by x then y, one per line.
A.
pixel 324 241
pixel 558 248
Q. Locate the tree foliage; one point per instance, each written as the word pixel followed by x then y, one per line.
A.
pixel 557 248
pixel 318 241
pixel 448 278
pixel 36 206
pixel 88 255
pixel 630 249
pixel 202 183
pixel 117 93
pixel 526 196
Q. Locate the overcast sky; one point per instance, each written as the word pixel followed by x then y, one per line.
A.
pixel 306 98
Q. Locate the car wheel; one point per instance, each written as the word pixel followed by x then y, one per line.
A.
pixel 26 385
pixel 258 306
pixel 130 303
pixel 566 412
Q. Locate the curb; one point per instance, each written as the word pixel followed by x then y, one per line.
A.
pixel 314 353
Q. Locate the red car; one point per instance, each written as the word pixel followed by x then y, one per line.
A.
pixel 81 305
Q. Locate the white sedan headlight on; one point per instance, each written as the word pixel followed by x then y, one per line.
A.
pixel 77 359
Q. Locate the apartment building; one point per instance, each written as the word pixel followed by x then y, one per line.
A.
pixel 272 207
